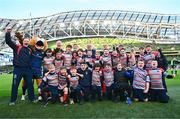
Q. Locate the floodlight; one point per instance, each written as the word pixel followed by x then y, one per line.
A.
pixel 107 22
pixel 114 23
pixel 125 22
pixel 76 23
pixel 92 22
pixel 137 23
pixel 62 25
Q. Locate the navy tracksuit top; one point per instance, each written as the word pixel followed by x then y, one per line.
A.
pixel 36 59
pixel 22 55
pixel 87 77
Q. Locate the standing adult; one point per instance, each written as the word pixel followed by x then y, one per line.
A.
pixel 21 63
pixel 58 47
pixel 90 48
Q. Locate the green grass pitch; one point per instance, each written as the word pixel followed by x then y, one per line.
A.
pixel 104 109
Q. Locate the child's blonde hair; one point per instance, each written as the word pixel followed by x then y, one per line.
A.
pixel 51 66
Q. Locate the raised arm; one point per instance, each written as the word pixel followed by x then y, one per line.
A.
pixel 8 40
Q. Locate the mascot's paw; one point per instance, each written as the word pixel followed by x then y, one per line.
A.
pixel 19 37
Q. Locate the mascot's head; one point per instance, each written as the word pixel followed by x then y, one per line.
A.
pixel 24 41
pixel 39 44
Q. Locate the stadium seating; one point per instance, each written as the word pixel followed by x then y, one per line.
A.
pixel 99 22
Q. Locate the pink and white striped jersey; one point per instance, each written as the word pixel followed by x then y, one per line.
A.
pixel 140 78
pixel 97 61
pixel 74 81
pixel 67 60
pixel 58 64
pixel 62 82
pixel 108 78
pixel 89 60
pixel 106 60
pixel 124 60
pixel 148 59
pixel 48 60
pixel 141 57
pixel 156 78
pixel 115 60
pixel 52 79
pixel 79 61
pixel 96 78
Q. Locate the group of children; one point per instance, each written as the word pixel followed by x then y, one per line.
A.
pixel 76 75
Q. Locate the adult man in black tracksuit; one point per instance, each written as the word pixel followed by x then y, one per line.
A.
pixel 21 63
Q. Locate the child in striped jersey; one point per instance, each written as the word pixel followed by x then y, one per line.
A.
pixel 124 59
pixel 51 78
pixel 80 58
pixel 149 57
pixel 63 85
pixel 132 59
pixel 47 60
pixel 75 47
pixel 108 75
pixel 68 56
pixel 90 48
pixel 140 82
pixel 157 89
pixel 106 57
pixel 141 53
pixel 89 59
pixel 74 81
pixel 96 82
pixel 97 58
pixel 115 58
pixel 58 62
pixel 74 58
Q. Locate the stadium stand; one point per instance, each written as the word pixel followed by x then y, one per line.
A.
pixel 89 23
pixel 146 27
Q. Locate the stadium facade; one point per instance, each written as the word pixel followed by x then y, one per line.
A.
pixel 147 27
pixel 97 23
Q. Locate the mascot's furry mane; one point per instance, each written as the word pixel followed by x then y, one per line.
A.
pixel 19 37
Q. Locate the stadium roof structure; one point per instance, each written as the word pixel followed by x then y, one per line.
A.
pixel 100 23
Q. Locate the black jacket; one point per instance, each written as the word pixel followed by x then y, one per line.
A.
pixel 21 54
pixel 87 77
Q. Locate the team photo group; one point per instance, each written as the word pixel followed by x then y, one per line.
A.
pixel 75 75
